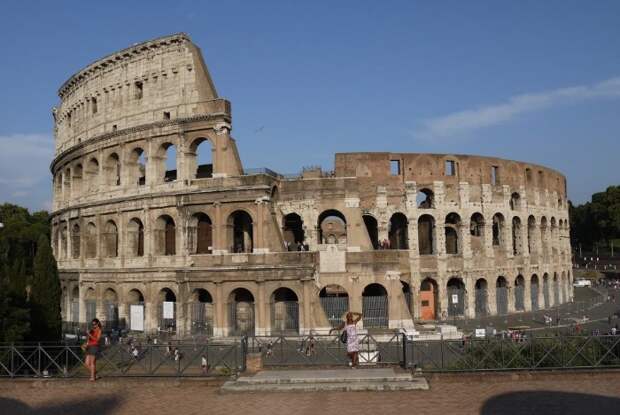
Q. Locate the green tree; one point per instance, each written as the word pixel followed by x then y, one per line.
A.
pixel 45 294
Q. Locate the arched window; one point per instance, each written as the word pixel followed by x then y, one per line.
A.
pixel 498 229
pixel 517 243
pixel 113 170
pixel 76 180
pixel 110 238
pixel 372 229
pixel 75 241
pixel 293 231
pixel 241 233
pixel 166 163
pixel 66 184
pixel 200 161
pixel 398 233
pixel 425 199
pixel 375 306
pixel 452 231
pixel 456 297
pixel 519 293
pixel 137 167
pixel 165 236
pixel 534 292
pixel 335 302
pixel 476 231
pixel 241 312
pixel 515 201
pixel 63 240
pixel 135 240
pixel 332 227
pixel 481 295
pixel 110 303
pixel 531 229
pixel 543 235
pixel 426 235
pixel 92 175
pixel 546 292
pixel 91 240
pixel 135 302
pixel 501 295
pixel 201 234
pixel 284 311
pixel 167 310
pixel 202 312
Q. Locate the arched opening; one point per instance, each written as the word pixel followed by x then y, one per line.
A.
pixel 110 302
pixel 372 228
pixel 476 231
pixel 398 233
pixel 543 235
pixel 426 235
pixel 75 305
pixel 456 297
pixel 110 238
pixel 375 306
pixel 241 232
pixel 64 240
pixel 113 170
pixel 167 311
pixel 76 180
pixel 165 236
pixel 531 229
pixel 135 301
pixel 75 241
pixel 452 228
pixel 332 227
pixel 335 302
pixel 425 199
pixel 241 312
pixel 556 289
pixel 519 293
pixel 408 295
pixel 534 292
pixel 501 296
pixel 546 293
pixel 554 236
pixel 90 302
pixel 91 240
pixel 481 294
pixel 58 186
pixel 284 311
pixel 517 245
pixel 92 175
pixel 200 234
pixel 200 160
pixel 66 184
pixel 167 162
pixel 428 299
pixel 293 232
pixel 202 312
pixel 135 238
pixel 498 230
pixel 515 201
pixel 137 167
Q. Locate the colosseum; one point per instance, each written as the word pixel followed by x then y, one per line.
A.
pixel 151 237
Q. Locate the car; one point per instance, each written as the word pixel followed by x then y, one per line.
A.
pixel 582 283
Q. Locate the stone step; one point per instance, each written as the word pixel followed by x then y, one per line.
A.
pixel 413 384
pixel 255 381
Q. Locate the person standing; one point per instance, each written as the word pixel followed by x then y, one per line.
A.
pixel 92 348
pixel 350 329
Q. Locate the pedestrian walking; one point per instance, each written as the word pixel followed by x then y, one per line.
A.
pixel 91 348
pixel 350 338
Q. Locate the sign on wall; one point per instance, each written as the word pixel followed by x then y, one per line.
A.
pixel 136 316
pixel 169 309
pixel 455 298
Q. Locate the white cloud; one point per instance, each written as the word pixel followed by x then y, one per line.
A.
pixel 473 119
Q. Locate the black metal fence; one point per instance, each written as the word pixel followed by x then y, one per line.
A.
pixel 172 359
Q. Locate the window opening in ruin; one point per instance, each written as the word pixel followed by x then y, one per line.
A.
pixel 426 235
pixel 241 226
pixel 76 180
pixel 519 293
pixel 165 236
pixel 395 167
pixel 398 234
pixel 114 127
pixel 66 184
pixel 373 230
pixel 110 238
pixel 528 175
pixel 113 170
pixel 201 158
pixel 241 313
pixel 284 311
pixel 293 232
pixel 452 230
pixel 332 227
pixel 201 234
pixel 75 241
pixel 202 312
pixel 456 297
pixel 534 292
pixel 494 175
pixel 424 199
pixel 543 235
pixel 91 241
pixel 137 167
pixel 476 230
pixel 170 162
pixel 516 236
pixel 335 302
pixel 501 296
pixel 138 87
pixel 93 103
pixel 375 306
pixel 166 115
pixel 92 172
pixel 515 201
pixel 531 228
pixel 481 298
pixel 498 228
pixel 450 168
pixel 136 238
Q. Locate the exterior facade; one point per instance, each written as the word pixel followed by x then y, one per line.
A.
pixel 157 226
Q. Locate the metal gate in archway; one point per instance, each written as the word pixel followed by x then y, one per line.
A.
pixel 334 308
pixel 501 300
pixel 546 292
pixel 481 302
pixel 534 296
pixel 519 297
pixel 556 292
pixel 456 301
pixel 375 311
pixel 241 318
pixel 285 317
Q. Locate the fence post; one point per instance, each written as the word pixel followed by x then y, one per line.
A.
pixel 442 360
pixel 39 359
pixel 405 363
pixel 12 360
pixel 244 351
pixel 532 359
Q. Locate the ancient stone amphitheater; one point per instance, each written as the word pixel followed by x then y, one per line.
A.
pixel 158 227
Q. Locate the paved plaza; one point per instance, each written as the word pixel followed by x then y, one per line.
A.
pixel 539 393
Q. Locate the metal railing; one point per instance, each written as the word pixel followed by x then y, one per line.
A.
pixel 172 359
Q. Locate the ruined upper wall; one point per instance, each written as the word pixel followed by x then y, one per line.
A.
pixel 161 79
pixel 424 169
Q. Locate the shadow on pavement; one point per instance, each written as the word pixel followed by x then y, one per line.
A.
pixel 550 402
pixel 95 406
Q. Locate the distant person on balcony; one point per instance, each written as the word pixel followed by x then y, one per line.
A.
pixel 92 348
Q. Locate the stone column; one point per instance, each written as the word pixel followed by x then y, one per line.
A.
pixel 527 293
pixel 491 297
pixel 470 297
pixel 305 307
pixel 220 328
pixel 262 326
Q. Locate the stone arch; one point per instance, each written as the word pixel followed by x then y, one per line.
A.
pixel 241 312
pixel 531 230
pixel 136 167
pixel 92 175
pixel 166 162
pixel 91 240
pixel 481 297
pixel 110 239
pixel 517 243
pixel 241 232
pixel 63 240
pixel 543 234
pixel 66 183
pixel 372 228
pixel 76 180
pixel 335 303
pixel 112 170
pixel 75 241
pixel 426 235
pixel 375 308
pixel 293 231
pixel 398 232
pixel 135 238
pixel 135 307
pixel 202 311
pixel 425 198
pixel 456 297
pixel 200 158
pixel 501 295
pixel 165 236
pixel 429 299
pixel 477 232
pixel 498 229
pixel 284 311
pixel 519 293
pixel 534 288
pixel 332 227
pixel 452 229
pixel 515 201
pixel 167 310
pixel 200 234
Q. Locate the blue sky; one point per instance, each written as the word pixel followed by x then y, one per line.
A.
pixel 525 80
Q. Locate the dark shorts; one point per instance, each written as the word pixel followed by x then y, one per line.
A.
pixel 92 350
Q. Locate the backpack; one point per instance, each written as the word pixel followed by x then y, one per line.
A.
pixel 344 336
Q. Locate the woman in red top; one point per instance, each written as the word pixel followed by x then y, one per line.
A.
pixel 92 348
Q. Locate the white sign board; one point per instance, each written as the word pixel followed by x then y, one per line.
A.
pixel 136 317
pixel 168 309
pixel 455 298
pixel 480 333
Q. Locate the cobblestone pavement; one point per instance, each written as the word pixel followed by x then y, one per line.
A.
pixel 541 393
